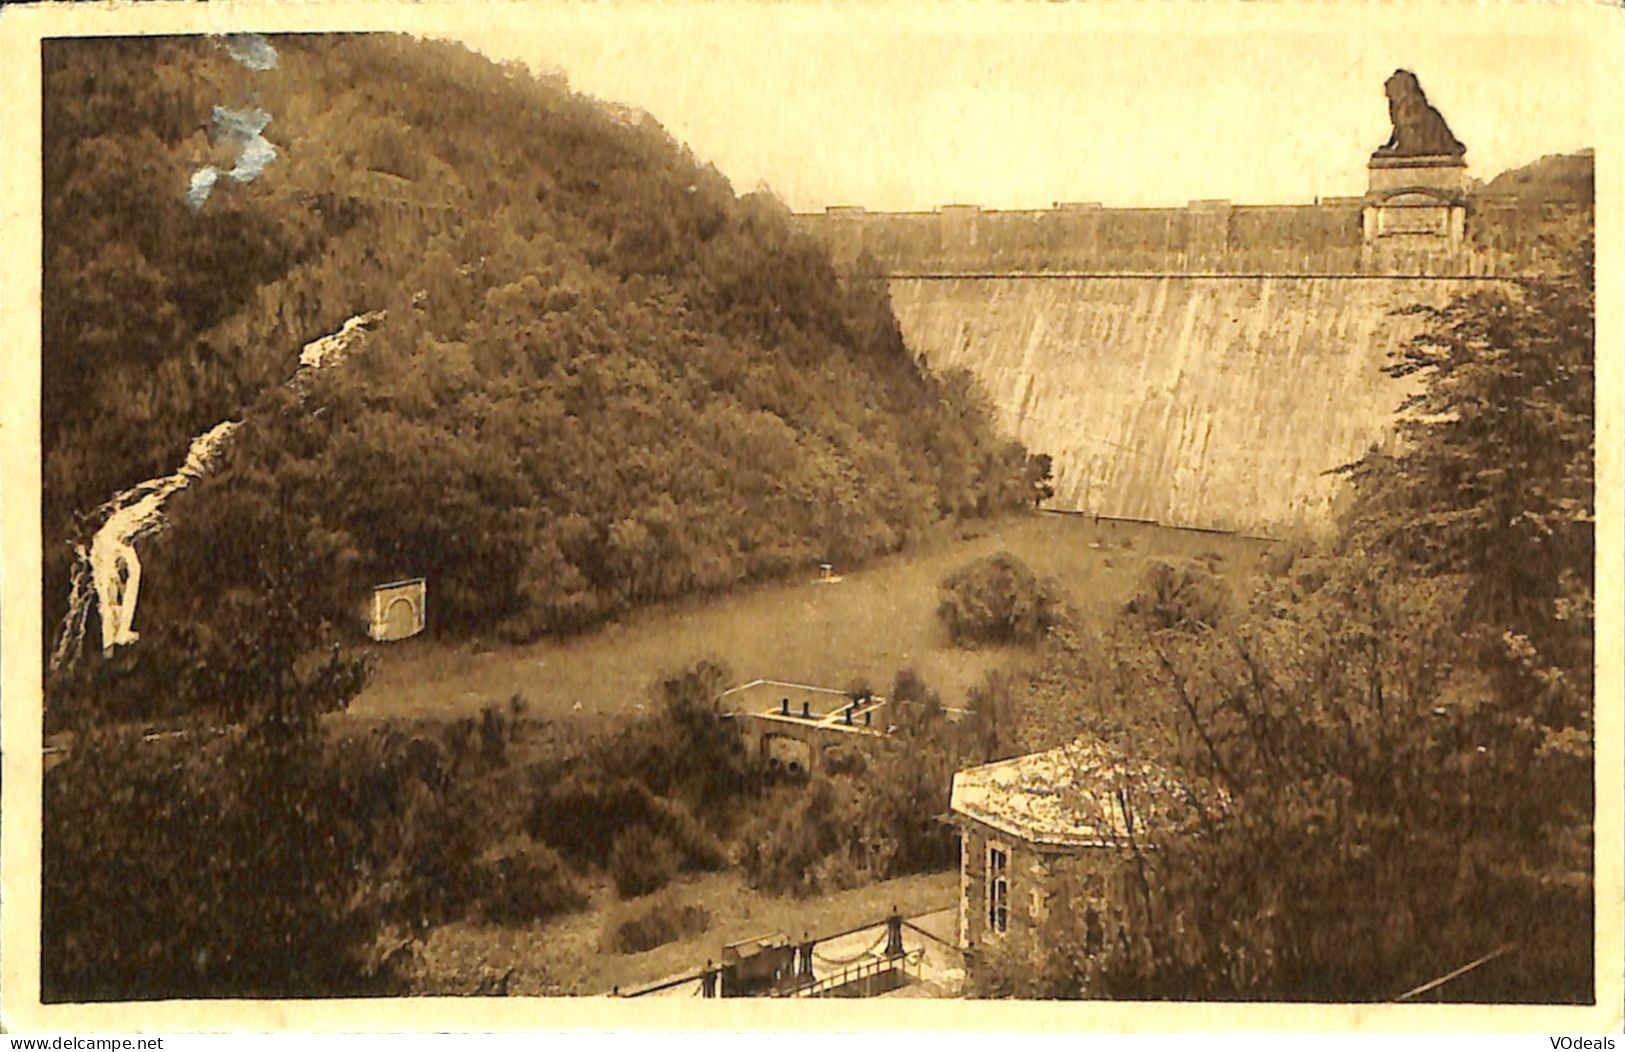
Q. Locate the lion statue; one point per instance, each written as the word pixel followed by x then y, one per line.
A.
pixel 1419 130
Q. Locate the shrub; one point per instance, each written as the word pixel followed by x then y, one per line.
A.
pixel 994 717
pixel 651 777
pixel 704 758
pixel 845 760
pixel 997 599
pixel 1186 597
pixel 805 841
pixel 236 865
pixel 642 861
pixel 578 813
pixel 654 922
pixel 696 846
pixel 524 882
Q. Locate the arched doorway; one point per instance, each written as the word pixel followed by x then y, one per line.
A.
pixel 400 620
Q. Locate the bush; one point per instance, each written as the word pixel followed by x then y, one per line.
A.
pixel 696 846
pixel 578 813
pixel 654 775
pixel 805 841
pixel 642 861
pixel 654 923
pixel 997 599
pixel 845 760
pixel 525 882
pixel 237 865
pixel 994 717
pixel 1187 597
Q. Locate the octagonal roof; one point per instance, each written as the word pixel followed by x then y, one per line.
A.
pixel 1079 795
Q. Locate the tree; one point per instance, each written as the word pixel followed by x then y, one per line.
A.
pixel 234 855
pixel 217 863
pixel 1495 490
pixel 238 847
pixel 1402 723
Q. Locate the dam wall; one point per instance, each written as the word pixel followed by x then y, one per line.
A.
pixel 1217 401
pixel 1211 365
pixel 1502 236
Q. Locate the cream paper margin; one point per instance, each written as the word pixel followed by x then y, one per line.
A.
pixel 1598 33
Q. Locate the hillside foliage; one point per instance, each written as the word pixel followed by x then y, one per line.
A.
pixel 600 379
pixel 1555 177
pixel 603 379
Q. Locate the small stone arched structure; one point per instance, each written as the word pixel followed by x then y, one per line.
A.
pixel 398 610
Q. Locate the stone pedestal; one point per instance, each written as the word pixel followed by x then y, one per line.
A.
pixel 1415 214
pixel 1445 172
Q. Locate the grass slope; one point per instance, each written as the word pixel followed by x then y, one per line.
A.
pixel 870 624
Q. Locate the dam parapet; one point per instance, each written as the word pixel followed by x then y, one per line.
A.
pixel 1398 230
pixel 1421 216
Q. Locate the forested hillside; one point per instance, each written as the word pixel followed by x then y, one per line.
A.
pixel 1555 177
pixel 601 379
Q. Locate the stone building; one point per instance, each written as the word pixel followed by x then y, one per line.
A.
pixel 397 610
pixel 1075 815
pixel 799 728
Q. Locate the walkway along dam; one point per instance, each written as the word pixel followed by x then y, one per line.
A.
pixel 1204 366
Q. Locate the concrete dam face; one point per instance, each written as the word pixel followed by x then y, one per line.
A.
pixel 1218 402
pixel 1208 365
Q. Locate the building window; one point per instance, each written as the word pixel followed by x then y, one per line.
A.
pixel 1094 931
pixel 998 890
pixel 1094 926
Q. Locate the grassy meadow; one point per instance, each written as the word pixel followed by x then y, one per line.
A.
pixel 868 625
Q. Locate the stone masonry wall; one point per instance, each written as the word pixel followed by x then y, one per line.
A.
pixel 1042 880
pixel 1505 237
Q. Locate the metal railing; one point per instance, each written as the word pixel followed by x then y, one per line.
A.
pixel 893 958
pixel 864 972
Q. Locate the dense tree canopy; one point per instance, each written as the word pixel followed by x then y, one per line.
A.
pixel 602 379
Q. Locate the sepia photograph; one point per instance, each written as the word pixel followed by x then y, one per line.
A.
pixel 967 502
